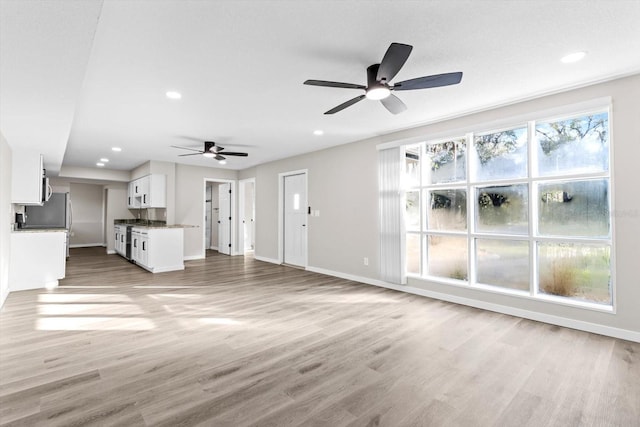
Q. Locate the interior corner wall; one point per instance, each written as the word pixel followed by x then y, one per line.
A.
pixel 5 217
pixel 342 185
pixel 190 203
pixel 87 204
pixel 140 171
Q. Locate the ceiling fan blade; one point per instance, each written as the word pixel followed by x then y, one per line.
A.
pixel 393 60
pixel 190 154
pixel 393 104
pixel 333 84
pixel 218 157
pixel 426 82
pixel 186 148
pixel 232 153
pixel 344 105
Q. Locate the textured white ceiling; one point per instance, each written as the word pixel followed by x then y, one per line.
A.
pixel 240 66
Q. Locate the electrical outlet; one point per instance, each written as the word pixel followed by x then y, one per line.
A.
pixel 366 261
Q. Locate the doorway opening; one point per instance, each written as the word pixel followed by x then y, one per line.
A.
pixel 219 217
pixel 293 209
pixel 247 208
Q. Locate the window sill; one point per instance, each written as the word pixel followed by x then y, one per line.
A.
pixel 601 308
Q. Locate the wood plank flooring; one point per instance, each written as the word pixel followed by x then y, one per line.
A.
pixel 231 341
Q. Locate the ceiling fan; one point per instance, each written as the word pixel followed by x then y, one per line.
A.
pixel 379 76
pixel 211 150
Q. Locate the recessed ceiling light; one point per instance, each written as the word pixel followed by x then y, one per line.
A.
pixel 223 162
pixel 573 57
pixel 116 149
pixel 104 160
pixel 173 95
pixel 318 132
pixel 100 164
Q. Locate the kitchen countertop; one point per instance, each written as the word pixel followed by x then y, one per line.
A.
pixel 39 230
pixel 153 227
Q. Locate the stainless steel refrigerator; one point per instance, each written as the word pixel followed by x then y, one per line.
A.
pixel 54 213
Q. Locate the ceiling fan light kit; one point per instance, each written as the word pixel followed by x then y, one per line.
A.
pixel 379 75
pixel 212 151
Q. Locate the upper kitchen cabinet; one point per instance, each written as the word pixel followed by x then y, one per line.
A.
pixel 132 201
pixel 28 183
pixel 148 192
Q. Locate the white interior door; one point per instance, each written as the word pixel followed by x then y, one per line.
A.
pixel 248 222
pixel 224 219
pixel 207 217
pixel 295 219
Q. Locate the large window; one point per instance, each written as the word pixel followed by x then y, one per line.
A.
pixel 523 210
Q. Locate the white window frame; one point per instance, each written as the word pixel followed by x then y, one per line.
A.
pixel 532 180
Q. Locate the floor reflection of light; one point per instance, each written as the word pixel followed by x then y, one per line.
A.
pixel 66 298
pixel 219 321
pixel 176 296
pixel 164 287
pixel 88 309
pixel 94 324
pixel 87 287
pixel 51 285
pixel 354 299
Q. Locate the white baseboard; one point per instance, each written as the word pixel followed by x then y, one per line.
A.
pixel 595 328
pixel 193 257
pixel 86 245
pixel 111 252
pixel 213 248
pixel 3 296
pixel 271 260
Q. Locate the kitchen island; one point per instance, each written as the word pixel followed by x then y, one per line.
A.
pixel 152 245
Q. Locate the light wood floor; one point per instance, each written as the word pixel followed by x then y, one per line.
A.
pixel 235 342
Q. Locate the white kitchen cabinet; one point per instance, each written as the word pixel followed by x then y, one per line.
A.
pixel 120 239
pixel 154 191
pixel 37 259
pixel 158 249
pixel 149 191
pixel 133 202
pixel 27 178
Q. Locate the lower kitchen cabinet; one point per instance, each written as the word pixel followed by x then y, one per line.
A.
pixel 120 239
pixel 38 259
pixel 158 249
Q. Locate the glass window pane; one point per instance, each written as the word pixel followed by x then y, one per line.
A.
pixel 503 209
pixel 447 161
pixel 501 155
pixel 575 208
pixel 447 257
pixel 503 263
pixel 575 271
pixel 446 209
pixel 412 166
pixel 412 211
pixel 574 145
pixel 413 253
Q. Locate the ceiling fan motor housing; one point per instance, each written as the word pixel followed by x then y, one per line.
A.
pixel 208 146
pixel 372 78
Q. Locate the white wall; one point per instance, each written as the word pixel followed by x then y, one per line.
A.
pixel 6 219
pixel 189 205
pixel 342 183
pixel 87 202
